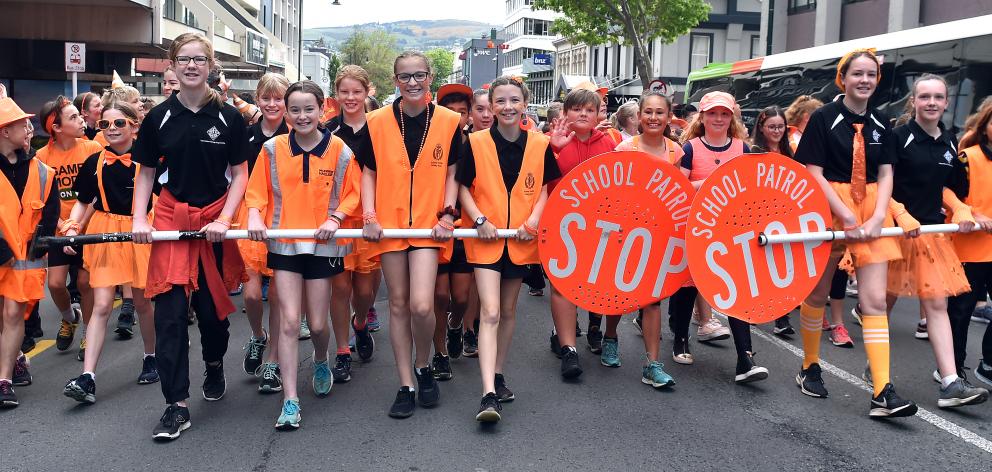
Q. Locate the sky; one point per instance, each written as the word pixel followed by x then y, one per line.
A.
pixel 317 13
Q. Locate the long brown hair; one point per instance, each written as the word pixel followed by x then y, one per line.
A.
pixel 975 133
pixel 758 138
pixel 208 50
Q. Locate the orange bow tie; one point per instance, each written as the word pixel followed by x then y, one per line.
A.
pixel 109 158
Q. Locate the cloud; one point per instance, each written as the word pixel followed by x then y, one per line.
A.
pixel 318 13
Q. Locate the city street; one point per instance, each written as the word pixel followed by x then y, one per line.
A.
pixel 606 421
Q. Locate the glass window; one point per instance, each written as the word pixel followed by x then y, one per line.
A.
pixel 700 51
pixel 756 46
pixel 799 6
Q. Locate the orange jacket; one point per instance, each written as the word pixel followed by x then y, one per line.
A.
pixel 23 280
pixel 278 190
pixel 396 203
pixel 66 165
pixel 976 246
pixel 506 209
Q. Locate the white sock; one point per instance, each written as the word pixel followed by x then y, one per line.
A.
pixel 946 381
pixel 68 315
pixel 923 322
pixel 91 374
pixel 147 355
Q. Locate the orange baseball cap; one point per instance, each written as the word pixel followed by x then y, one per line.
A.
pixel 717 99
pixel 680 123
pixel 10 112
pixel 448 89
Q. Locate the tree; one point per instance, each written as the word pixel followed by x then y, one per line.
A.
pixel 632 22
pixel 332 68
pixel 443 62
pixel 374 50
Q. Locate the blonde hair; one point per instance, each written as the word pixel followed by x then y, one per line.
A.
pixel 803 105
pixel 696 129
pixel 414 54
pixel 356 73
pixel 625 112
pixel 208 50
pixel 125 94
pixel 271 84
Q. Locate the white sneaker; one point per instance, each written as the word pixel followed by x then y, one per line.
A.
pixel 713 330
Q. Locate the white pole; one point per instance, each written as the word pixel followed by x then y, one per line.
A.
pixel 765 239
pixel 339 234
pixel 75 84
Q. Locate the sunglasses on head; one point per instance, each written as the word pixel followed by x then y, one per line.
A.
pixel 118 123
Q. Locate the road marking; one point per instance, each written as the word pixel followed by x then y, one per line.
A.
pixel 40 347
pixel 947 426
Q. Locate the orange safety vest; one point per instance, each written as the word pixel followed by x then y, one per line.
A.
pixel 276 188
pixel 635 145
pixel 976 246
pixel 66 165
pixel 794 136
pixel 615 135
pixel 705 161
pixel 24 279
pixel 505 209
pixel 396 203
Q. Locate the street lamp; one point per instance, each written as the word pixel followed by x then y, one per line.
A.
pixel 299 46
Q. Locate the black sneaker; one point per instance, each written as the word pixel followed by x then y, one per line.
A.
pixel 254 353
pixel 149 371
pixel 455 342
pixel 595 338
pixel 470 344
pixel 441 367
pixel 555 345
pixel 810 381
pixel 428 392
pixel 984 372
pixel 489 409
pixel 502 392
pixel 783 327
pixel 960 393
pixel 63 340
pixel 342 368
pixel 28 344
pixel 125 321
pixel 748 372
pixel 22 377
pixel 271 378
pixel 214 383
pixel 404 404
pixel 81 353
pixel 889 405
pixel 174 421
pixel 7 397
pixel 364 343
pixel 190 317
pixel 82 389
pixel 570 367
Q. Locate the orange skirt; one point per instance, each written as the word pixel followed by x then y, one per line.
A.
pixel 254 253
pixel 929 269
pixel 113 264
pixel 358 260
pixel 22 286
pixel 870 252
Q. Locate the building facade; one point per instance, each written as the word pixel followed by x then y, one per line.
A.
pixel 530 48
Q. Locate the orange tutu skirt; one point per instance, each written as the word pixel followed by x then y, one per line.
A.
pixel 870 252
pixel 112 264
pixel 929 269
pixel 358 260
pixel 254 253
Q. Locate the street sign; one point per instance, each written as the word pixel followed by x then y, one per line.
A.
pixel 75 57
pixel 658 85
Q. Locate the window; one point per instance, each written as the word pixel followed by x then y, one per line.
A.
pixel 799 6
pixel 606 61
pixel 616 65
pixel 700 51
pixel 756 46
pixel 595 60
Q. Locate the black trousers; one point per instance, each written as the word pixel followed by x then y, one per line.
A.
pixel 172 334
pixel 960 308
pixel 535 277
pixel 680 308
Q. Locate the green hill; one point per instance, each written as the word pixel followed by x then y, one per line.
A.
pixel 415 34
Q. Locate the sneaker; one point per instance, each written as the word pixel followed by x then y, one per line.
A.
pixel 441 367
pixel 856 313
pixel 783 328
pixel 81 354
pixel 503 393
pixel 342 368
pixel 611 353
pixel 125 320
pixel 254 352
pixel 190 316
pixel 489 409
pixel 63 340
pixel 959 393
pixel 174 421
pixel 840 337
pixel 747 371
pixel 364 343
pixel 28 344
pixel 237 291
pixel 265 289
pixel 7 397
pixel 22 377
pixel 570 367
pixel 595 339
pixel 536 292
pixel 555 345
pixel 637 324
pixel 429 393
pixel 654 375
pixel 826 325
pixel 470 343
pixel 852 288
pixel 984 372
pixel 149 371
pixel 214 382
pixel 304 330
pixel 713 330
pixel 810 381
pixel 680 352
pixel 921 331
pixel 271 378
pixel 372 320
pixel 889 404
pixel 289 418
pixel 404 404
pixel 454 342
pixel 322 378
pixel 82 389
pixel 982 314
pixel 77 310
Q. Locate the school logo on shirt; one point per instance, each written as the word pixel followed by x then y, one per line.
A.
pixel 438 152
pixel 325 172
pixel 529 182
pixel 214 133
pixel 948 156
pixel 875 135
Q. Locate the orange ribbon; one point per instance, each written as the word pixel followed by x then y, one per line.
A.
pixel 858 169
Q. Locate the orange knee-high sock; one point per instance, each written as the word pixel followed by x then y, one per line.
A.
pixel 876 338
pixel 810 326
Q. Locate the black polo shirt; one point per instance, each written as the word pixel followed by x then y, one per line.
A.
pixel 511 158
pixel 828 142
pixel 17 175
pixel 196 148
pixel 415 129
pixel 118 184
pixel 305 155
pixel 960 177
pixel 355 140
pixel 90 132
pixel 257 138
pixel 924 166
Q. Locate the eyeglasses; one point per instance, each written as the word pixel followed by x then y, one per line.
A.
pixel 198 60
pixel 118 123
pixel 417 76
pixel 775 127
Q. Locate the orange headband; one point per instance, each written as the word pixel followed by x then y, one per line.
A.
pixel 844 61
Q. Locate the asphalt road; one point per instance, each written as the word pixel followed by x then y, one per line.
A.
pixel 606 421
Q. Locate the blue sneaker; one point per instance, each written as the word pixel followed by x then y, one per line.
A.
pixel 290 417
pixel 654 375
pixel 611 353
pixel 322 379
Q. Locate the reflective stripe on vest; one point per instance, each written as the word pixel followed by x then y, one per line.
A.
pixel 29 264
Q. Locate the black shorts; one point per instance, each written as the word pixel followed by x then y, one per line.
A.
pixel 506 267
pixel 58 258
pixel 311 267
pixel 459 264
